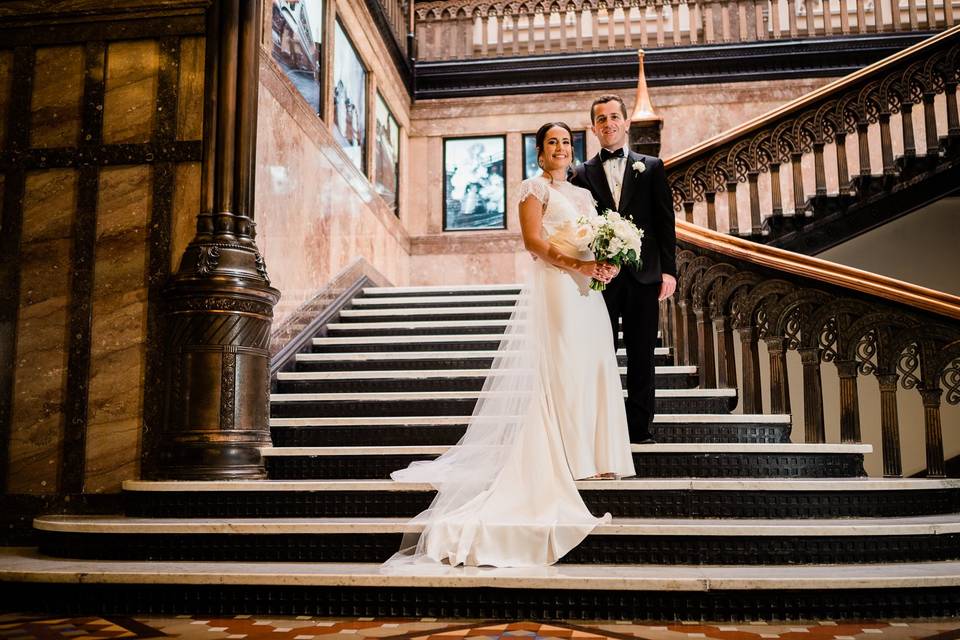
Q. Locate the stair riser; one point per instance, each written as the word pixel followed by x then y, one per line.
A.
pixel 483 603
pixel 439 347
pixel 652 465
pixel 375 435
pixel 620 503
pixel 596 549
pixel 455 407
pixel 664 381
pixel 439 293
pixel 491 314
pixel 412 365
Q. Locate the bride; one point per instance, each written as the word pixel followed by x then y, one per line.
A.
pixel 551 410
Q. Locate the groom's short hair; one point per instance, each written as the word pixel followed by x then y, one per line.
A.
pixel 605 99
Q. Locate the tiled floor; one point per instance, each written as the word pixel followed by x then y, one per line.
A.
pixel 26 627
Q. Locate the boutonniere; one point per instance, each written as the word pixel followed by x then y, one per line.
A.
pixel 639 167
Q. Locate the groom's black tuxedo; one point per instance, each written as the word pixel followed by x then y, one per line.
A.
pixel 632 295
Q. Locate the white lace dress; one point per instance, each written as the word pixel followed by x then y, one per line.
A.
pixel 551 411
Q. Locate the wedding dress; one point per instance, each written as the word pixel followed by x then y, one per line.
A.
pixel 551 411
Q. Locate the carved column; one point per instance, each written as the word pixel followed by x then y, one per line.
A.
pixel 707 368
pixel 933 430
pixel 813 429
pixel 849 401
pixel 752 402
pixel 725 356
pixel 779 385
pixel 889 425
pixel 219 305
pixel 691 356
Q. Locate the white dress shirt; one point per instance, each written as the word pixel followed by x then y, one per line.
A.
pixel 615 170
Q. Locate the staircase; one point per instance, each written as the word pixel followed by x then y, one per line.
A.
pixel 726 519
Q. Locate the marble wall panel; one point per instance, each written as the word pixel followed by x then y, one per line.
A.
pixel 190 90
pixel 186 205
pixel 316 214
pixel 119 327
pixel 131 91
pixel 57 94
pixel 40 371
pixel 6 86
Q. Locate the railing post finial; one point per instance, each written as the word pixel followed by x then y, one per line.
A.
pixel 645 123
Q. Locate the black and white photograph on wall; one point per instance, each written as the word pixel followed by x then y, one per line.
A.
pixel 387 155
pixel 474 185
pixel 349 97
pixel 532 169
pixel 297 33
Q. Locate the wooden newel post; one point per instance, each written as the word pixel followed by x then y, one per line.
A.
pixel 218 308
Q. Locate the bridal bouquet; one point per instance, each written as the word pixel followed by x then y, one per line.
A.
pixel 612 238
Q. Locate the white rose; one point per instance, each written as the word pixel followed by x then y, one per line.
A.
pixel 639 167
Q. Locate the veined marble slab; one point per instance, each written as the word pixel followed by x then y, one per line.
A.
pixel 19 564
pixel 414 355
pixel 681 447
pixel 419 311
pixel 421 324
pixel 919 525
pixel 638 484
pixel 376 291
pixel 676 418
pixel 433 373
pixel 434 299
pixel 468 395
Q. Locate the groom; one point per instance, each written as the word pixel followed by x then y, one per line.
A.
pixel 636 186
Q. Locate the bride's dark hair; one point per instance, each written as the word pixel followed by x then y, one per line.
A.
pixel 542 136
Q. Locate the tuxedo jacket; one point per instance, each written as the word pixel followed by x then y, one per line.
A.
pixel 645 199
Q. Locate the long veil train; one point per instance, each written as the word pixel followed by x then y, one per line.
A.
pixel 505 494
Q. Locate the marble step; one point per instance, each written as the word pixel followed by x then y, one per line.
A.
pixel 453 403
pixel 402 380
pixel 637 498
pixel 702 460
pixel 644 592
pixel 446 314
pixel 434 301
pixel 327 357
pixel 622 541
pixel 441 290
pixel 434 430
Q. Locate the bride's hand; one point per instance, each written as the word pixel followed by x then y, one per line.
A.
pixel 592 269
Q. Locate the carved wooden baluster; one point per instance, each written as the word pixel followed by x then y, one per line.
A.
pixel 709 37
pixel 679 342
pixel 863 144
pixel 775 18
pixel 813 423
pixel 642 19
pixel 810 19
pixel 484 30
pixel 547 30
pixel 695 19
pixel 761 29
pixel 725 21
pixel 948 13
pixel 930 123
pixel 843 173
pixel 933 431
pixel 499 34
pixel 895 18
pixel 675 14
pixel 828 17
pixel 845 18
pixel 627 26
pixel 930 13
pixel 792 17
pixel 515 33
pixel 732 207
pixel 727 378
pixel 776 203
pixel 705 357
pixel 779 384
pixel 886 145
pixel 953 117
pixel 849 401
pixel 665 324
pixel 711 198
pixel 688 210
pixel 906 122
pixel 799 199
pixel 861 17
pixel 819 170
pixel 753 178
pixel 750 354
pixel 890 425
pixel 659 9
pixel 690 341
pixel 531 32
pixel 879 22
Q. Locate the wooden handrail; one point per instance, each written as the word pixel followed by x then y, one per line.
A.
pixel 804 101
pixel 918 297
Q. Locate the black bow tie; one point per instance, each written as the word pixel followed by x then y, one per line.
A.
pixel 606 155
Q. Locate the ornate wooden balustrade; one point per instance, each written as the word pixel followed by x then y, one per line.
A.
pixel 733 294
pixel 481 28
pixel 850 139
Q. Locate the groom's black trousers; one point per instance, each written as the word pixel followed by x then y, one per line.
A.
pixel 637 304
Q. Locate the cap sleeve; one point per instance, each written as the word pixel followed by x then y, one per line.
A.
pixel 536 188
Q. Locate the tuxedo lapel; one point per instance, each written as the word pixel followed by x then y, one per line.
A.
pixel 598 183
pixel 631 180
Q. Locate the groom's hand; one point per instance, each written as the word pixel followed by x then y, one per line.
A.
pixel 667 287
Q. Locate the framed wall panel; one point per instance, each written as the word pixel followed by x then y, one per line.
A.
pixel 387 155
pixel 297 36
pixel 349 97
pixel 474 186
